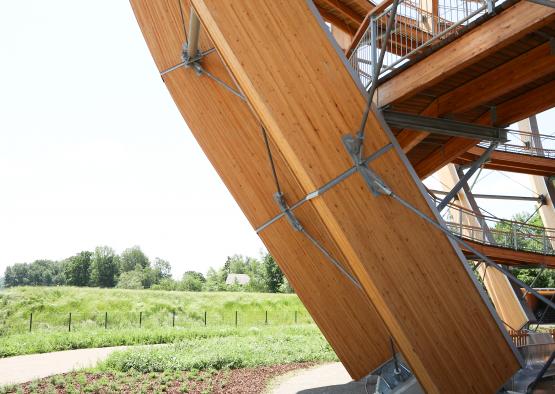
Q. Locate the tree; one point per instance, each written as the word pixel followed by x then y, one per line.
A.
pixel 215 280
pixel 273 274
pixel 78 269
pixel 285 287
pixel 105 263
pixel 131 280
pixel 133 258
pixel 162 268
pixel 192 281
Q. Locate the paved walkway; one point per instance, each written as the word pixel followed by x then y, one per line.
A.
pixel 20 369
pixel 324 379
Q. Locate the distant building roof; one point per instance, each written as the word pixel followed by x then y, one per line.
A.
pixel 240 279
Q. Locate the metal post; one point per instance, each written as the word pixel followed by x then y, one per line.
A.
pixel 374 48
pixel 266 321
pixel 31 322
pixel 69 322
pixel 205 318
pixel 490 6
pixel 460 222
pixel 544 241
pixel 106 320
pixel 194 33
pixel 475 166
pixel 235 318
pixel 515 243
pixel 140 319
pixel 173 319
pixel 487 235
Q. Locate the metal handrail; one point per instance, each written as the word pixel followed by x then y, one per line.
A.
pixel 414 29
pixel 527 146
pixel 502 233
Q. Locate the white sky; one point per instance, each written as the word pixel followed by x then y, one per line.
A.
pixel 92 148
pixel 94 152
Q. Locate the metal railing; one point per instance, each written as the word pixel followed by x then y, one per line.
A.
pixel 526 143
pixel 500 232
pixel 418 25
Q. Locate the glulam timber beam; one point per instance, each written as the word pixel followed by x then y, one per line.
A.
pixel 336 21
pixel 524 69
pixel 230 135
pixel 532 65
pixel 345 10
pixel 304 94
pixel 508 27
pixel 510 161
pixel 511 111
pixel 511 257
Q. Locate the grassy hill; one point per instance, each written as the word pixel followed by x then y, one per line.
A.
pixel 51 307
pixel 139 317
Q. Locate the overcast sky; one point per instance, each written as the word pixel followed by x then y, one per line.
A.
pixel 94 152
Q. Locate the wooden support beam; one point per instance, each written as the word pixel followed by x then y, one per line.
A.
pixel 513 162
pixel 230 136
pixel 532 65
pixel 348 12
pixel 521 107
pixel 524 69
pixel 511 111
pixel 307 99
pixel 511 25
pixel 516 258
pixel 336 21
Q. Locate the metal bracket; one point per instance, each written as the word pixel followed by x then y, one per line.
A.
pixel 278 197
pixel 376 185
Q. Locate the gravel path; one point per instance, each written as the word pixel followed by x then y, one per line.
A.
pixel 20 369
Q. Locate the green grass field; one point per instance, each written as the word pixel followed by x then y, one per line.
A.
pixel 92 308
pixel 197 358
pixel 133 317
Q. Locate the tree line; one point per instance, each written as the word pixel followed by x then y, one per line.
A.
pixel 132 269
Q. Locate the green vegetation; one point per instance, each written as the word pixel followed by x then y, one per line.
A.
pixel 246 348
pixel 133 270
pixel 530 238
pixel 126 310
pixel 217 362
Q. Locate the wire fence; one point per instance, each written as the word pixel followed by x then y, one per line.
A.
pixel 417 26
pixel 526 143
pixel 78 321
pixel 503 233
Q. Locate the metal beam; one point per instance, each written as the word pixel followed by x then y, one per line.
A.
pixel 194 33
pixel 475 207
pixel 445 126
pixel 462 181
pixel 538 199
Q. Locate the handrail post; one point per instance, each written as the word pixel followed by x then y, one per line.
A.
pixel 374 48
pixel 490 6
pixel 515 243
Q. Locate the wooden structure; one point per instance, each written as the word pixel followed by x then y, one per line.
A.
pixel 367 267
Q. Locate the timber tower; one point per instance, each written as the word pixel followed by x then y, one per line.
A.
pixel 323 118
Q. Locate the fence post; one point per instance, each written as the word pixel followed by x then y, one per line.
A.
pixel 69 322
pixel 173 319
pixel 544 241
pixel 295 317
pixel 31 322
pixel 205 318
pixel 140 319
pixel 266 321
pixel 515 243
pixel 235 318
pixel 106 320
